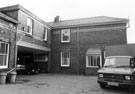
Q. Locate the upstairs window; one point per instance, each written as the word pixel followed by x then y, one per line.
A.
pixel 65 59
pixel 65 35
pixel 29 26
pixel 45 34
pixel 4 53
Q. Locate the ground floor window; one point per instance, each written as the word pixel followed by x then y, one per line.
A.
pixel 40 57
pixel 65 59
pixel 93 58
pixel 4 53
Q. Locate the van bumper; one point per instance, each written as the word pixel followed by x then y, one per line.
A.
pixel 116 82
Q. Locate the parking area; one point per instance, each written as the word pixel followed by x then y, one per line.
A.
pixel 58 84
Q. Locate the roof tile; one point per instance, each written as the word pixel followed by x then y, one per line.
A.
pixel 99 20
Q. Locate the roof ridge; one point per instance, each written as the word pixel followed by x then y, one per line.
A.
pixel 98 20
pixel 92 18
pixel 83 18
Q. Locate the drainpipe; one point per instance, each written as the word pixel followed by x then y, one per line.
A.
pixel 14 67
pixel 78 63
pixel 16 47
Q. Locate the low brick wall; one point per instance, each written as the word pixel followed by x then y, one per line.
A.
pixel 91 71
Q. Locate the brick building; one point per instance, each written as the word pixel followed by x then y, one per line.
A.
pixel 72 46
pixel 33 38
pixel 78 44
pixel 7 42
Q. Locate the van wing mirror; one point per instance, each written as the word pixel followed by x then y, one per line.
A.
pixel 132 62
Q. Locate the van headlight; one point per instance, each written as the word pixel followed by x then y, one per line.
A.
pixel 127 77
pixel 100 75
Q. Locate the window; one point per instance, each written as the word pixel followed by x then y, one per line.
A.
pixel 65 35
pixel 29 26
pixel 93 57
pixel 40 57
pixel 93 60
pixel 45 34
pixel 65 58
pixel 4 53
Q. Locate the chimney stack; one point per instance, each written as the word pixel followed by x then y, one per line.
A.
pixel 57 19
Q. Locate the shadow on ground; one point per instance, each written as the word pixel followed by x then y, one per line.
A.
pixel 119 89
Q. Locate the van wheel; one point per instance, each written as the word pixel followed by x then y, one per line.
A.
pixel 102 85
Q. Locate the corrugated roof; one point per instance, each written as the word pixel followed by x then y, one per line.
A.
pixel 5 17
pixel 99 20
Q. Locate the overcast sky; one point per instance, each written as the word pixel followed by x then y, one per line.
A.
pixel 72 9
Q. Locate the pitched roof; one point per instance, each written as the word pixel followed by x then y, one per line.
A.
pixel 99 20
pixel 19 7
pixel 5 17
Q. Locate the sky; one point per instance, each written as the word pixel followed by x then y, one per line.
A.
pixel 73 9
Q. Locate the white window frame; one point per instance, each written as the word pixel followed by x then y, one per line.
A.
pixel 90 65
pixel 68 59
pixel 7 55
pixel 45 34
pixel 29 24
pixel 62 35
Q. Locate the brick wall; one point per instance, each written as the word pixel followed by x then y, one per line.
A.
pixel 38 29
pixel 36 38
pixel 7 34
pixel 89 37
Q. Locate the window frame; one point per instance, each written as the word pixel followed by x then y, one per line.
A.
pixel 31 26
pixel 5 54
pixel 45 34
pixel 89 63
pixel 40 57
pixel 62 32
pixel 68 59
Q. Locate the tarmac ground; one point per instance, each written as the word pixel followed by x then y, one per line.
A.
pixel 57 84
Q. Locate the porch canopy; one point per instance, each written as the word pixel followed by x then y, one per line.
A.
pixel 29 47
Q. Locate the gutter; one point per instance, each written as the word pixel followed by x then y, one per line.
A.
pixel 90 24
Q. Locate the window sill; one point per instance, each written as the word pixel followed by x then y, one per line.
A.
pixel 29 35
pixel 44 40
pixel 65 42
pixel 65 66
pixel 4 69
pixel 91 66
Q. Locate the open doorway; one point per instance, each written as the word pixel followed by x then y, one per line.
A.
pixel 25 64
pixel 32 61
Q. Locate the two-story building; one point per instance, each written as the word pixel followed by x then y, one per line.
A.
pixel 33 38
pixel 78 44
pixel 7 42
pixel 74 46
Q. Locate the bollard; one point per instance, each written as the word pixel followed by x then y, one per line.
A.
pixel 3 77
pixel 11 77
